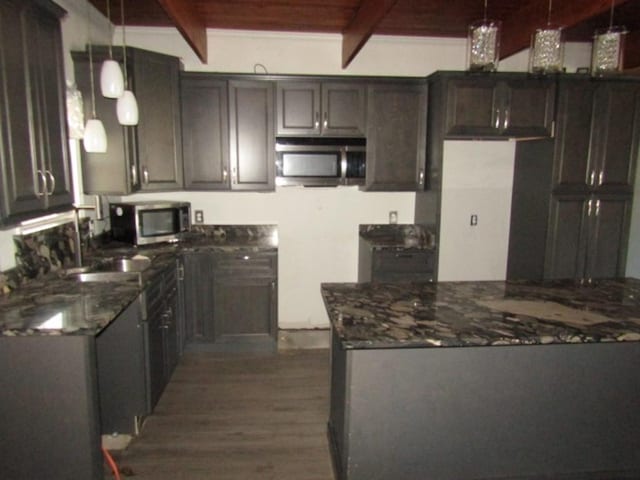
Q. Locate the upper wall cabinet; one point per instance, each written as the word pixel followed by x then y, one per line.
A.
pixel 496 105
pixel 205 132
pixel 333 108
pixel 33 134
pixel 146 157
pixel 252 135
pixel 396 136
pixel 598 135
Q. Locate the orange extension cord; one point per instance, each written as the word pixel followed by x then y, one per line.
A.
pixel 112 463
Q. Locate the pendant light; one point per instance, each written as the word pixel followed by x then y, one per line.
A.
pixel 608 48
pixel 111 81
pixel 483 44
pixel 547 48
pixel 95 138
pixel 127 107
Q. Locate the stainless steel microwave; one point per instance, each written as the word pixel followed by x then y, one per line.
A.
pixel 320 161
pixel 143 223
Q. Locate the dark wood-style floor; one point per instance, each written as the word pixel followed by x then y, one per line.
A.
pixel 243 417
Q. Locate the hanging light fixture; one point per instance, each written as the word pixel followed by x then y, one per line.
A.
pixel 483 44
pixel 127 107
pixel 111 81
pixel 547 48
pixel 95 138
pixel 608 48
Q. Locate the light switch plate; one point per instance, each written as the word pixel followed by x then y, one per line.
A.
pixel 393 217
pixel 199 216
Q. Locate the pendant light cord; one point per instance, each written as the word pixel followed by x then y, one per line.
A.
pixel 110 30
pixel 485 11
pixel 124 45
pixel 93 94
pixel 549 13
pixel 611 15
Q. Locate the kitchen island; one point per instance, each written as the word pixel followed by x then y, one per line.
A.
pixel 476 380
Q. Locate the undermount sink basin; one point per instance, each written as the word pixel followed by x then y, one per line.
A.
pixel 114 270
pixel 139 264
pixel 106 276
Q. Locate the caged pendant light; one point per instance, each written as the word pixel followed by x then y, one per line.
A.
pixel 111 81
pixel 95 137
pixel 608 48
pixel 127 107
pixel 483 44
pixel 547 48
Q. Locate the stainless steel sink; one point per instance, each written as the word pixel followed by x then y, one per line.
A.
pixel 107 277
pixel 125 265
pixel 113 270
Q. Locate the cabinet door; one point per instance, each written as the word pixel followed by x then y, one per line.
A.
pixel 245 311
pixel 616 134
pixel 574 157
pixel 170 334
pixel 608 233
pixel 252 138
pixel 529 107
pixel 396 137
pixel 299 108
pixel 116 171
pixel 198 281
pixel 19 155
pixel 205 133
pixel 566 237
pixel 343 109
pixel 472 107
pixel 159 132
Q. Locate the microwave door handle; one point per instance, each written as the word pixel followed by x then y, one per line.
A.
pixel 343 164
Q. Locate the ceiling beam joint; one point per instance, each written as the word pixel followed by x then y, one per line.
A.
pixel 189 23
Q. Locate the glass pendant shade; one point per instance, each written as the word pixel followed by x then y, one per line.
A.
pixel 95 138
pixel 127 109
pixel 483 45
pixel 607 51
pixel 547 50
pixel 111 79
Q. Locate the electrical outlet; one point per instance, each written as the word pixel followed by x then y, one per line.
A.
pixel 474 220
pixel 199 216
pixel 393 217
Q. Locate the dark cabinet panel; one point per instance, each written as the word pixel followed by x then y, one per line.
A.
pixel 205 132
pixel 609 230
pixel 396 136
pixel 498 105
pixel 159 132
pixel 252 135
pixel 334 108
pixel 198 281
pixel 393 265
pixel 33 138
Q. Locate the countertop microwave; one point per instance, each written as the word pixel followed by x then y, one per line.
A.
pixel 143 223
pixel 315 162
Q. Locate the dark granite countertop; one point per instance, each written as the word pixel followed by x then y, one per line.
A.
pixel 458 314
pixel 55 304
pixel 398 236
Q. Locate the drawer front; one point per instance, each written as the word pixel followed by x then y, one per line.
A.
pixel 398 262
pixel 246 263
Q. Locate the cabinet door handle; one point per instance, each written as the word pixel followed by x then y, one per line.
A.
pixel 225 174
pixel 505 123
pixel 52 186
pixel 316 124
pixel 597 207
pixel 421 177
pixel 234 176
pixel 40 193
pixel 145 175
pixel 325 122
pixel 589 205
pixel 134 175
pixel 592 178
pixel 600 178
pixel 497 118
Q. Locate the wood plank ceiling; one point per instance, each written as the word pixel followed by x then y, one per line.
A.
pixel 357 20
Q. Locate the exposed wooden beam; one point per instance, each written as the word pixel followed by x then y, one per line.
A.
pixel 517 30
pixel 191 25
pixel 356 34
pixel 632 51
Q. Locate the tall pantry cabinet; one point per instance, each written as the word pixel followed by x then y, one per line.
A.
pixel 572 194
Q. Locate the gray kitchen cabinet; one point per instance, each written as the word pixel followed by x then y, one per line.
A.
pixel 145 157
pixel 252 135
pixel 495 105
pixel 394 264
pixel 205 132
pixel 598 135
pixel 198 308
pixel 33 133
pixel 396 136
pixel 330 108
pixel 161 315
pixel 121 372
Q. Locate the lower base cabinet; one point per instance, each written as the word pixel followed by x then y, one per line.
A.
pixel 233 304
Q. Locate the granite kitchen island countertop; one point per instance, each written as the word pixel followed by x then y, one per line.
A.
pixel 458 314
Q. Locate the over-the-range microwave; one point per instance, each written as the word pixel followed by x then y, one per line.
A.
pixel 143 223
pixel 315 162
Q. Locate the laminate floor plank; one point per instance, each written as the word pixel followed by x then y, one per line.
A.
pixel 238 417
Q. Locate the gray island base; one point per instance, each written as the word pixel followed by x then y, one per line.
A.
pixel 507 410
